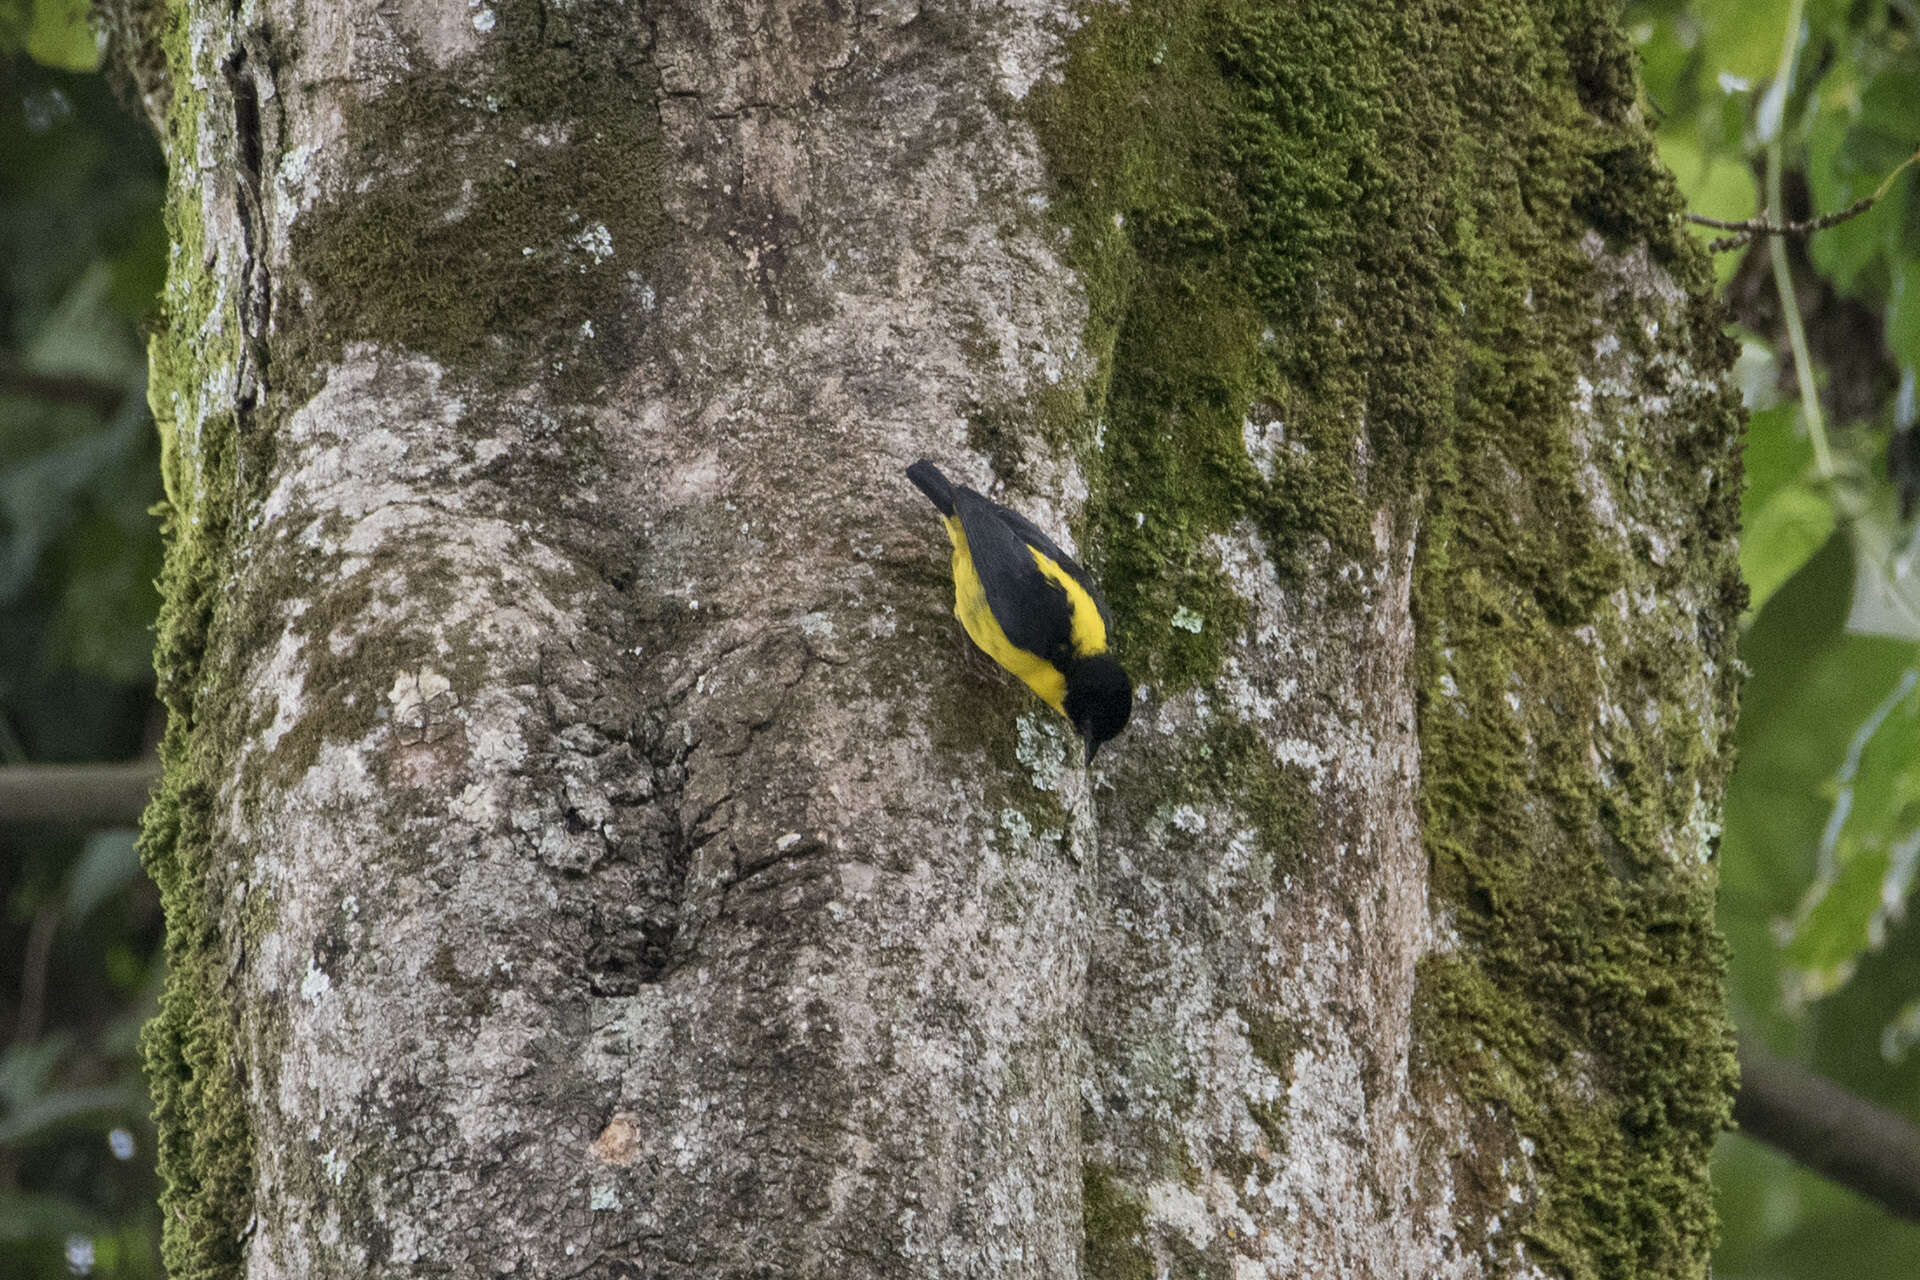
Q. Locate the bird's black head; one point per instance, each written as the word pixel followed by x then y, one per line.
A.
pixel 1099 700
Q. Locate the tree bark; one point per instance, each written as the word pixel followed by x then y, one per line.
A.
pixel 588 849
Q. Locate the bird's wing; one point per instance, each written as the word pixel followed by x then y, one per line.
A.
pixel 1033 611
pixel 1030 532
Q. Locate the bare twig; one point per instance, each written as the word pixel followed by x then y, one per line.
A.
pixel 1831 1131
pixel 1747 228
pixel 1751 227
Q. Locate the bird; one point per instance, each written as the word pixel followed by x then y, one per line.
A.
pixel 1031 609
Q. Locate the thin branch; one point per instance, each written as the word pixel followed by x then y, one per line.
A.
pixel 104 397
pixel 1748 228
pixel 1751 227
pixel 80 795
pixel 33 974
pixel 1831 1131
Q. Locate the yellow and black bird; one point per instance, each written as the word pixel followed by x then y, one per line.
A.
pixel 1031 608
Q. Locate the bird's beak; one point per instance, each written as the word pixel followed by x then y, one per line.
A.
pixel 1092 747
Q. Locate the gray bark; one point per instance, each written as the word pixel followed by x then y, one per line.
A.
pixel 608 862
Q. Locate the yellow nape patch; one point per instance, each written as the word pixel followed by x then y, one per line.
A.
pixel 970 606
pixel 1089 632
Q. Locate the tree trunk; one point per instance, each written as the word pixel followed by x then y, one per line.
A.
pixel 589 846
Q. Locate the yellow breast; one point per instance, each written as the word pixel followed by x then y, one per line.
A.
pixel 1089 634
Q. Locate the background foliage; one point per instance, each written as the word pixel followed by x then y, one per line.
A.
pixel 1818 100
pixel 82 253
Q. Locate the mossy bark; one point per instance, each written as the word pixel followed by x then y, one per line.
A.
pixel 1412 389
pixel 586 847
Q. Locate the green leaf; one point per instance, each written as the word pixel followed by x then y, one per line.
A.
pixel 1832 930
pixel 1716 185
pixel 1867 124
pixel 1786 513
pixel 1668 61
pixel 1777 456
pixel 1845 253
pixel 1868 848
pixel 1782 536
pixel 26 1068
pixel 60 36
pixel 1812 686
pixel 1888 114
pixel 1903 313
pixel 85 336
pixel 1829 17
pixel 1886 578
pixel 28 1215
pixel 1741 39
pixel 39 497
pixel 52 1113
pixel 107 865
pixel 1902 1032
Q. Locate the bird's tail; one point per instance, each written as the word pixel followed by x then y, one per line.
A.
pixel 927 478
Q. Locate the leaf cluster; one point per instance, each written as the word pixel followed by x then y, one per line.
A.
pixel 82 254
pixel 1822 822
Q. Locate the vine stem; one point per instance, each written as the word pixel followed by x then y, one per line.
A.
pixel 1773 110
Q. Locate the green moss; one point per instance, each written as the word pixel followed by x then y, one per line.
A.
pixel 1146 141
pixel 1586 1003
pixel 1274 1042
pixel 1116 1228
pixel 1237 766
pixel 1268 210
pixel 1188 1262
pixel 1271 1118
pixel 1231 767
pixel 523 199
pixel 344 696
pixel 191 1048
pixel 1359 230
